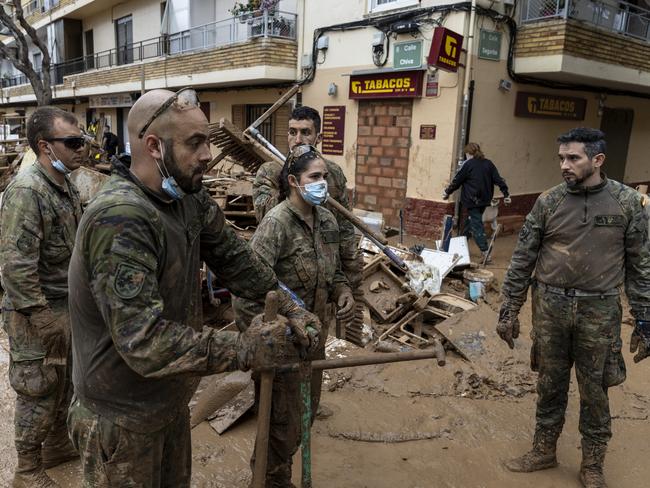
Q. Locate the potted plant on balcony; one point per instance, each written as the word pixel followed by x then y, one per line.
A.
pixel 244 10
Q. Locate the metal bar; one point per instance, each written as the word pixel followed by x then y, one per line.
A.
pixel 365 360
pixel 281 101
pixel 305 444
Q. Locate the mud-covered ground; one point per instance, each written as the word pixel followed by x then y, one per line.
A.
pixel 415 425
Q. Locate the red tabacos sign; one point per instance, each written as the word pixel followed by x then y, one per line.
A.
pixel 445 49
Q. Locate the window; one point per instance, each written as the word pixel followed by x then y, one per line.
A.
pixel 383 5
pixel 37 61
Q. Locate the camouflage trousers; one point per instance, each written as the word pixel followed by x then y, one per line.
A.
pixel 112 456
pixel 285 429
pixel 580 331
pixel 43 391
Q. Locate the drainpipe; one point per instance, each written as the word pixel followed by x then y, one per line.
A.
pixel 464 110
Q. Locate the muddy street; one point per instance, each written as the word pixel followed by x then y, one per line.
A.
pixel 415 425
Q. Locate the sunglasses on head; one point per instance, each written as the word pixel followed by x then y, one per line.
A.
pixel 301 150
pixel 71 142
pixel 183 99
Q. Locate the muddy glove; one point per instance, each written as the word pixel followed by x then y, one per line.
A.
pixel 445 195
pixel 640 340
pixel 507 200
pixel 305 326
pixel 264 344
pixel 345 303
pixel 508 325
pixel 53 330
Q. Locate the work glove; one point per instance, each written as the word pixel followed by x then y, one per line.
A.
pixel 305 326
pixel 507 200
pixel 265 344
pixel 508 325
pixel 53 330
pixel 640 340
pixel 345 304
pixel 445 195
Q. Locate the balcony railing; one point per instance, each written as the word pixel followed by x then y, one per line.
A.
pixel 216 34
pixel 619 17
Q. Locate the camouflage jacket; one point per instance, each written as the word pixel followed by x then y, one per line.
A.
pixel 139 343
pixel 305 260
pixel 591 239
pixel 38 225
pixel 266 194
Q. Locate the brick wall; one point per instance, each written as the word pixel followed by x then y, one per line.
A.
pixel 256 52
pixel 581 40
pixel 383 141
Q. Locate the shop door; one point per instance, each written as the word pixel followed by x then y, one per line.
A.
pixel 383 142
pixel 616 123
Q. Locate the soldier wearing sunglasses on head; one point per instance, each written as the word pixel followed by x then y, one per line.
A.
pixel 39 217
pixel 138 337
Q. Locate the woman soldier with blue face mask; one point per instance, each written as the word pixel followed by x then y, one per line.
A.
pixel 299 239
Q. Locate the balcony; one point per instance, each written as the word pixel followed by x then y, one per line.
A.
pixel 252 39
pixel 598 43
pixel 619 17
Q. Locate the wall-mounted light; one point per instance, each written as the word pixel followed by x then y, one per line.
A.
pixel 601 104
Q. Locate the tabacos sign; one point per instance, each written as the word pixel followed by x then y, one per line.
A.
pixel 548 106
pixel 396 84
pixel 445 49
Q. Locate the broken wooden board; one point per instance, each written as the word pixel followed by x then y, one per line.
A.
pixel 232 411
pixel 218 393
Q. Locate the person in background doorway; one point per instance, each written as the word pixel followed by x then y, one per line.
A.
pixel 110 142
pixel 477 176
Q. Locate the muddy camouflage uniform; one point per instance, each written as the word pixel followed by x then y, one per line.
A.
pixel 582 245
pixel 138 337
pixel 266 195
pixel 39 220
pixel 307 261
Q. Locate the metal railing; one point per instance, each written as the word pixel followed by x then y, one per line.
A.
pixel 237 29
pixel 619 17
pixel 221 33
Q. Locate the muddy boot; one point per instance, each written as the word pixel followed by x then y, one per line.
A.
pixel 30 473
pixel 58 451
pixel 486 257
pixel 591 469
pixel 542 456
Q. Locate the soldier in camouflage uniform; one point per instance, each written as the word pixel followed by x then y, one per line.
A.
pixel 39 217
pixel 300 239
pixel 583 239
pixel 139 344
pixel 304 128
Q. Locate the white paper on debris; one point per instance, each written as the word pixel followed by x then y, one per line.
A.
pixel 424 277
pixel 444 261
pixel 458 245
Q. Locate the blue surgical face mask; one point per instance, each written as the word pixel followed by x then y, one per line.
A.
pixel 57 164
pixel 169 185
pixel 315 193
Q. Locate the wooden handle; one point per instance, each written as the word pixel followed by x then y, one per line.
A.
pixel 356 221
pixel 263 425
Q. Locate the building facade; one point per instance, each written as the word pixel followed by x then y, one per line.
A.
pixel 401 84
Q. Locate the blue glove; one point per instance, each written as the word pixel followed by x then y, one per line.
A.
pixel 640 340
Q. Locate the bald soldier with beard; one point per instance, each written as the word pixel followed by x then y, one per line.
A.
pixel 138 339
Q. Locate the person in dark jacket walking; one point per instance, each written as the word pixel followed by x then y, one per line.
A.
pixel 477 176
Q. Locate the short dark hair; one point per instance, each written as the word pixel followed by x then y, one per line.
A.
pixel 593 139
pixel 307 113
pixel 41 122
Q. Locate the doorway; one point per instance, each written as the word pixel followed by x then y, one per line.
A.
pixel 616 123
pixel 124 39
